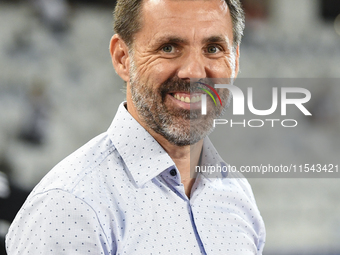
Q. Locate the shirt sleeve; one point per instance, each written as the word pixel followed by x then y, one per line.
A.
pixel 56 222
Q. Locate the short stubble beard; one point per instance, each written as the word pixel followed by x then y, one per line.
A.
pixel 180 127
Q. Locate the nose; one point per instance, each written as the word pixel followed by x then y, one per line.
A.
pixel 192 66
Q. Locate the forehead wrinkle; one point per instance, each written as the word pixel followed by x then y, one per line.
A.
pixel 203 23
pixel 202 13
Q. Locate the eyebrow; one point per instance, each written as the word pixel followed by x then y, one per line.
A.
pixel 216 39
pixel 175 39
pixel 169 39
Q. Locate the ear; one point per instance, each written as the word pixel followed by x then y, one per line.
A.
pixel 120 57
pixel 237 61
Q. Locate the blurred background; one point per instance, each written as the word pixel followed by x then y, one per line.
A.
pixel 58 90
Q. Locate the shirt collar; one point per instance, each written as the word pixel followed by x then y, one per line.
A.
pixel 211 158
pixel 143 156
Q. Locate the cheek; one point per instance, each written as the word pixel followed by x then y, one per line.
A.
pixel 221 69
pixel 157 72
pixel 164 70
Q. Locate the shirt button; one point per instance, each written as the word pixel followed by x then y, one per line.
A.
pixel 173 172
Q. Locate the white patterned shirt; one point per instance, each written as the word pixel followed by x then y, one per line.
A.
pixel 121 193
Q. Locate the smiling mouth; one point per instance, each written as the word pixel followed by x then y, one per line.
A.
pixel 187 98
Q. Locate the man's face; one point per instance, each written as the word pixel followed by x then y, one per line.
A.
pixel 180 40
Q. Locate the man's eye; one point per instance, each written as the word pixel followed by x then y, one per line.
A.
pixel 168 48
pixel 212 49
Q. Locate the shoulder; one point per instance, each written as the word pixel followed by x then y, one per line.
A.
pixel 81 165
pixel 242 183
pixel 88 175
pixel 68 200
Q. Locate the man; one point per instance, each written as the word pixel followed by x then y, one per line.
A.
pixel 129 191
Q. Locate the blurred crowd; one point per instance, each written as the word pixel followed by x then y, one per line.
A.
pixel 58 89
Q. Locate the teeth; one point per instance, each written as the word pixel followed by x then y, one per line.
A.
pixel 195 99
pixel 188 99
